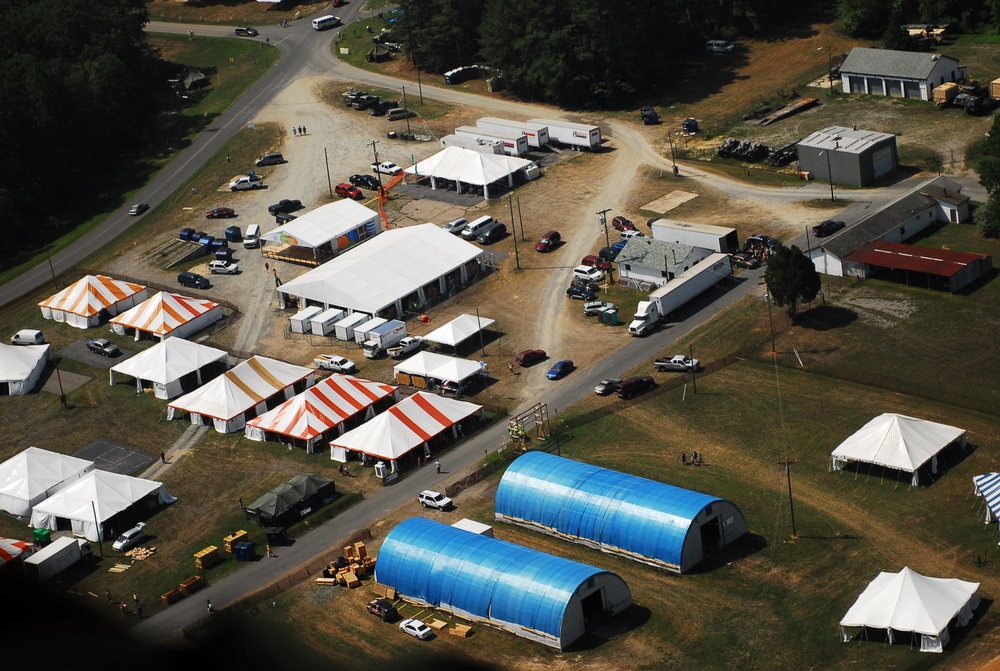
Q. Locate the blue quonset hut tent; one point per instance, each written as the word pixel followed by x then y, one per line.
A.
pixel 529 593
pixel 615 512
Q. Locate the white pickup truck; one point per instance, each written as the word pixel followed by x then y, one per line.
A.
pixel 678 362
pixel 405 346
pixel 338 364
pixel 246 182
pixel 386 168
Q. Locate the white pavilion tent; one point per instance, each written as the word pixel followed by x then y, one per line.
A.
pixel 94 499
pixel 83 303
pixel 425 366
pixel 910 602
pixel 33 475
pixel 458 330
pixel 167 315
pixel 897 441
pixel 334 226
pixel 21 366
pixel 464 166
pixel 169 366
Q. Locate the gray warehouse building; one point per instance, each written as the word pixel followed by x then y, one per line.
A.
pixel 855 157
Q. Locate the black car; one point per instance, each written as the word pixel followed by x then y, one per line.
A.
pixel 246 31
pixel 364 181
pixel 383 106
pixel 492 233
pixel 827 227
pixel 194 280
pixel 103 347
pixel 383 608
pixel 586 285
pixel 580 294
pixel 285 205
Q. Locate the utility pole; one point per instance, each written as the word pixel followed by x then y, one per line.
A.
pixel 787 463
pixel 673 158
pixel 510 206
pixel 378 173
pixel 51 269
pixel 694 378
pixel 413 58
pixel 329 182
pixel 770 313
pixel 829 172
pixel 520 219
pixel 479 323
pixel 407 113
pixel 603 218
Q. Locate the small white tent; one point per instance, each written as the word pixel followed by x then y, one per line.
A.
pixel 91 501
pixel 169 366
pixel 464 166
pixel 33 475
pixel 426 366
pixel 908 601
pixel 21 366
pixel 458 330
pixel 83 303
pixel 897 441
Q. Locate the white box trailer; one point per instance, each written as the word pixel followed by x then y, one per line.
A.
pixel 471 143
pixel 361 330
pixel 662 303
pixel 323 323
pixel 575 135
pixel 717 238
pixel 514 144
pixel 55 557
pixel 537 134
pixel 300 320
pixel 344 329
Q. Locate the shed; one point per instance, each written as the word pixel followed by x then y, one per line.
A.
pixel 534 595
pixel 905 74
pixel 717 238
pixel 652 522
pixel 851 156
pixel 948 269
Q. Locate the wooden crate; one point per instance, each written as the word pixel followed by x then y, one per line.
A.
pixel 207 558
pixel 171 596
pixel 192 585
pixel 238 537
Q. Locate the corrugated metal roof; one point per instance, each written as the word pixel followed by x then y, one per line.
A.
pixel 890 63
pixel 489 578
pixel 942 262
pixel 616 510
pixel 846 140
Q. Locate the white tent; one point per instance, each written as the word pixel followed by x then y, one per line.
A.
pixel 464 166
pixel 459 329
pixel 908 601
pixel 337 225
pixel 34 475
pixel 428 365
pixel 897 441
pixel 412 264
pixel 328 404
pixel 93 500
pixel 168 315
pixel 168 366
pixel 243 392
pixel 82 303
pixel 20 368
pixel 407 425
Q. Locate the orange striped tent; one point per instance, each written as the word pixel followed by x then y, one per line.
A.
pixel 411 423
pixel 85 302
pixel 168 315
pixel 335 404
pixel 11 549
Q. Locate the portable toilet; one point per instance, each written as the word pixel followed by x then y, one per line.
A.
pixel 361 331
pixel 300 320
pixel 234 234
pixel 344 329
pixel 323 323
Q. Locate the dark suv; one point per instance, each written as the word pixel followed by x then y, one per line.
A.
pixel 383 609
pixel 364 181
pixel 635 385
pixel 382 106
pixel 827 227
pixel 193 280
pixel 492 234
pixel 285 205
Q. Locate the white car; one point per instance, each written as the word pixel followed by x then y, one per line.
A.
pixel 588 273
pixel 431 499
pixel 133 536
pixel 415 628
pixel 338 364
pixel 386 168
pixel 223 267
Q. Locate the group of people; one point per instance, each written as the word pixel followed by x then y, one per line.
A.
pixel 298 130
pixel 696 459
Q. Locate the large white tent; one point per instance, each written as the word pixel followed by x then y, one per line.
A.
pixel 168 315
pixel 21 366
pixel 169 366
pixel 94 499
pixel 333 227
pixel 399 270
pixel 405 426
pixel 242 393
pixel 425 366
pixel 82 303
pixel 33 475
pixel 459 329
pixel 910 602
pixel 327 405
pixel 464 166
pixel 897 441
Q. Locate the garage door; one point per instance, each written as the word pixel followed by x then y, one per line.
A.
pixel 857 84
pixel 875 86
pixel 883 161
pixel 895 88
pixel 911 89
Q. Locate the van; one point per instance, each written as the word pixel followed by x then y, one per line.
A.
pixel 399 113
pixel 635 385
pixel 251 239
pixel 491 233
pixel 476 227
pixel 324 22
pixel 28 337
pixel 719 46
pixel 270 158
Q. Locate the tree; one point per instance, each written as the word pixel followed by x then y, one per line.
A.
pixel 791 277
pixel 989 174
pixel 987 217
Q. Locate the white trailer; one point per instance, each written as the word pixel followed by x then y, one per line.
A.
pixel 344 329
pixel 55 557
pixel 575 135
pixel 471 143
pixel 674 294
pixel 717 238
pixel 537 134
pixel 383 337
pixel 300 320
pixel 361 330
pixel 514 144
pixel 323 323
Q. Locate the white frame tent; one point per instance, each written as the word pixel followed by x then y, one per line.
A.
pixel 426 366
pixel 21 366
pixel 83 303
pixel 33 475
pixel 910 602
pixel 458 330
pixel 898 441
pixel 168 315
pixel 165 365
pixel 464 166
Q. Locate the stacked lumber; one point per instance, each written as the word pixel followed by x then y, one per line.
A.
pixel 140 554
pixel 119 568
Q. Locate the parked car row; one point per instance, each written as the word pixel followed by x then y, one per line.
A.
pixel 390 109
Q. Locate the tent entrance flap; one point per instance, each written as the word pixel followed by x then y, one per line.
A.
pixel 711 535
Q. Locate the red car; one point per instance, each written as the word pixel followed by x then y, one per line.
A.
pixel 596 262
pixel 221 213
pixel 345 190
pixel 622 224
pixel 530 356
pixel 548 242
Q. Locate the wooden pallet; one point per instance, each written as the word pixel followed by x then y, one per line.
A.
pixel 119 568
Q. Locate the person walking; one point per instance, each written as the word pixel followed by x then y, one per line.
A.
pixel 163 457
pixel 295 131
pixel 269 553
pixel 303 130
pixel 211 608
pixel 437 467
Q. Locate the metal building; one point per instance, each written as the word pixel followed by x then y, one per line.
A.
pixel 855 157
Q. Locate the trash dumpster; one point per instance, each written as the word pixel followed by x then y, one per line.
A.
pixel 42 537
pixel 245 551
pixel 233 234
pixel 276 536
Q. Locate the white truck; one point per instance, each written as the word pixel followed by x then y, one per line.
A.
pixel 678 291
pixel 382 338
pixel 677 363
pixel 537 134
pixel 56 557
pixel 246 182
pixel 405 346
pixel 576 135
pixel 386 168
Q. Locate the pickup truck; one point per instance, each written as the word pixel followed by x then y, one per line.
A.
pixel 337 364
pixel 386 168
pixel 246 182
pixel 405 346
pixel 678 362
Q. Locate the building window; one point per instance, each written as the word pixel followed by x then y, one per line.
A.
pixel 902 230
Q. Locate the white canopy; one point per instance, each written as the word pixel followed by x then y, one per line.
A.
pixel 242 392
pixel 21 366
pixel 165 363
pixel 82 303
pixel 437 366
pixel 320 408
pixel 93 500
pixel 33 475
pixel 345 221
pixel 898 441
pixel 469 167
pixel 459 329
pixel 168 315
pixel 908 601
pixel 405 426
